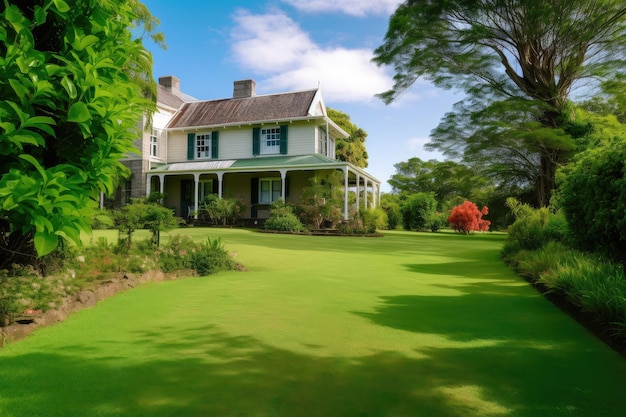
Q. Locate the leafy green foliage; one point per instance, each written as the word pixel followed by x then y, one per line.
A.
pixel 592 284
pixel 390 203
pixel 320 204
pixel 534 228
pixel 72 97
pixel 283 218
pixel 143 215
pixel 351 149
pixel 517 61
pixel 592 194
pixel 419 211
pixel 211 257
pixel 223 211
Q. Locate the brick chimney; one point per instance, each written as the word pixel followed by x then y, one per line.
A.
pixel 171 83
pixel 244 88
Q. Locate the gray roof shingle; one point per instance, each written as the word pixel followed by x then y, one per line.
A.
pixel 269 107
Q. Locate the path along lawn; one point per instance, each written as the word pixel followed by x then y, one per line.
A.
pixel 406 325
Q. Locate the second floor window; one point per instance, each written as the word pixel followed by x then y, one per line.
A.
pixel 203 146
pixel 154 143
pixel 270 140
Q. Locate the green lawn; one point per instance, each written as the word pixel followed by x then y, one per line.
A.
pixel 406 325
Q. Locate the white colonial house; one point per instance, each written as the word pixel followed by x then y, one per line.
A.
pixel 259 148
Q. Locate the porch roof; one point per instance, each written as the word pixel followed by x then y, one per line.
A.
pixel 265 163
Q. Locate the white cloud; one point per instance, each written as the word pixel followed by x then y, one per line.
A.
pixel 274 46
pixel 351 7
pixel 416 143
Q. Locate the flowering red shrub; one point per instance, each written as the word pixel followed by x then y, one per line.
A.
pixel 466 217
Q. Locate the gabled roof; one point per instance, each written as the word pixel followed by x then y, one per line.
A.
pixel 167 98
pixel 271 107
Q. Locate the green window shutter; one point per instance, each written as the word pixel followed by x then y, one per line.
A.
pixel 215 144
pixel 215 184
pixel 191 144
pixel 283 140
pixel 256 141
pixel 287 186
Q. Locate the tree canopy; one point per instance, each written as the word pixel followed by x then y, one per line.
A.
pixel 518 61
pixel 73 82
pixel 447 180
pixel 351 149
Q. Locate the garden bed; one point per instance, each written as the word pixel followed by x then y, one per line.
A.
pixel 114 283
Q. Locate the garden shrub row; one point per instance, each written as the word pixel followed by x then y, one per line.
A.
pixel 539 247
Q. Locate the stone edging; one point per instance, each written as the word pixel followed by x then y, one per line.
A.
pixel 87 297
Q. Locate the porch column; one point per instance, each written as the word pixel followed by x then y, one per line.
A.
pixel 161 183
pixel 358 192
pixel 365 191
pixel 196 184
pixel 375 191
pixel 220 176
pixel 345 193
pixel 148 185
pixel 283 180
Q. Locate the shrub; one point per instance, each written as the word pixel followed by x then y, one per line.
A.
pixel 533 228
pixel 223 211
pixel 418 211
pixel 466 218
pixel 211 257
pixel 283 218
pixel 373 219
pixel 390 203
pixel 595 286
pixel 321 203
pixel 592 194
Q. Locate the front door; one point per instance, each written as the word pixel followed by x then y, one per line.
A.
pixel 186 198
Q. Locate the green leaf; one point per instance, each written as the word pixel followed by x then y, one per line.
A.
pixel 40 15
pixel 35 163
pixel 45 242
pixel 78 113
pixel 87 41
pixel 69 86
pixel 61 6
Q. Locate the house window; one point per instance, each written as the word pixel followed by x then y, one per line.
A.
pixel 322 144
pixel 270 140
pixel 203 146
pixel 154 142
pixel 127 192
pixel 269 190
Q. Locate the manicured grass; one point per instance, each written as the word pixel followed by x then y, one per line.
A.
pixel 406 325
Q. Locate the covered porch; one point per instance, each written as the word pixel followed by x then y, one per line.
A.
pixel 256 181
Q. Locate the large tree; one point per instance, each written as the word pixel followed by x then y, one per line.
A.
pixel 351 149
pixel 518 61
pixel 73 82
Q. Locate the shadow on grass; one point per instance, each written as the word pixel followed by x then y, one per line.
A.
pixel 210 373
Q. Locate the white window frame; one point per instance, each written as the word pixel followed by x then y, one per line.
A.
pixel 203 145
pixel 154 143
pixel 270 140
pixel 272 192
pixel 322 142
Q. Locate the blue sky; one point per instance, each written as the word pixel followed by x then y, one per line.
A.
pixel 288 45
